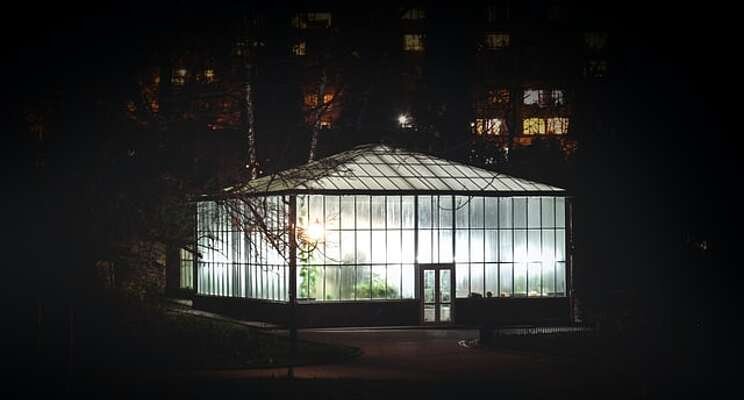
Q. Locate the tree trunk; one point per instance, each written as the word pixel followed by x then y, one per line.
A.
pixel 249 119
pixel 321 108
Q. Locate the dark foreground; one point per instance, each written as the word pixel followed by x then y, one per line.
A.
pixel 418 363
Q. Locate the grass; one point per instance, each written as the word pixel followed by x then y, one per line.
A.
pixel 135 336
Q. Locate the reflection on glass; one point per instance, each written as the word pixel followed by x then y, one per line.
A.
pixel 429 313
pixel 445 295
pixel 429 285
pixel 444 313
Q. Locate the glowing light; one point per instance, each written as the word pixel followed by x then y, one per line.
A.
pixel 404 121
pixel 315 231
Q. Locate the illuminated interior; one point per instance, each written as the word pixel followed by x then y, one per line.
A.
pixel 509 240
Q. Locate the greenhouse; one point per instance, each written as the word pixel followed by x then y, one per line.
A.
pixel 382 236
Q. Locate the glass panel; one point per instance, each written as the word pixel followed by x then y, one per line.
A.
pixel 348 247
pixel 505 213
pixel 476 278
pixel 429 288
pixel 534 248
pixel 461 246
pixel 315 282
pixel 424 246
pixel 492 208
pixel 492 246
pixel 548 245
pixel 424 212
pixel 302 211
pixel 505 280
pixel 378 212
pixel 520 279
pixel 379 287
pixel 520 212
pixel 520 245
pixel 533 212
pixel 462 277
pixel 446 211
pixel 548 212
pixel 492 280
pixel 393 246
pixel 548 279
pixel 409 278
pixel 408 211
pixel 476 245
pixel 363 247
pixel 332 216
pixel 379 244
pixel 445 286
pixel 393 212
pixel 332 248
pixel 534 277
pixel 476 212
pixel 560 212
pixel 560 245
pixel 505 245
pixel 316 210
pixel 408 246
pixel 362 212
pixel 362 286
pixel 461 212
pixel 331 283
pixel 393 282
pixel 445 314
pixel 347 212
pixel 347 277
pixel 560 278
pixel 429 313
pixel 445 246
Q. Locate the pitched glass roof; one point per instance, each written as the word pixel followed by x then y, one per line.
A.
pixel 379 168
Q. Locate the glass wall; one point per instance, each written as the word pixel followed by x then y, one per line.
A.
pixel 355 247
pixel 238 261
pixel 187 269
pixel 510 246
pixel 361 247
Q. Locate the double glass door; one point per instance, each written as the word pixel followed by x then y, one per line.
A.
pixel 437 284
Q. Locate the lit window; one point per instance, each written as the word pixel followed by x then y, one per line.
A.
pixel 312 20
pixel 414 14
pixel 209 75
pixel 311 100
pixel 533 126
pixel 299 49
pixel 557 98
pixel 498 96
pixel 489 126
pixel 179 77
pixel 413 42
pixel 531 96
pixel 328 98
pixel 595 40
pixel 596 69
pixel 557 126
pixel 544 98
pixel 319 19
pixel 325 123
pixel 495 41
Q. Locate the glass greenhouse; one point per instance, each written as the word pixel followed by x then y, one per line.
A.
pixel 385 236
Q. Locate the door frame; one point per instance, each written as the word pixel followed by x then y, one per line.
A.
pixel 420 285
